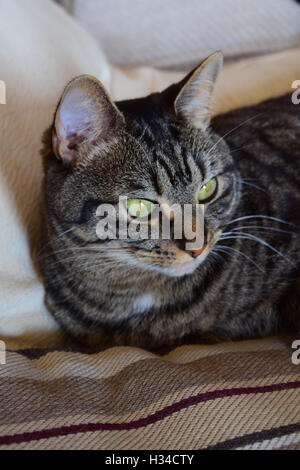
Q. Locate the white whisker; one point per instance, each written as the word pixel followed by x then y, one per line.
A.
pixel 252 185
pixel 246 217
pixel 232 130
pixel 259 227
pixel 248 236
pixel 235 250
pixel 57 237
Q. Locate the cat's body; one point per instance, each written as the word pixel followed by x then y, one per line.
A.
pixel 150 294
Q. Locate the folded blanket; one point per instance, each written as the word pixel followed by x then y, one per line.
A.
pixel 234 396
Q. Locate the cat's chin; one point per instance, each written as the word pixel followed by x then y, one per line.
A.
pixel 185 264
pixel 181 270
pixel 189 266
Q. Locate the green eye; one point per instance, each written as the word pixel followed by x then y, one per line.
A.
pixel 139 207
pixel 207 190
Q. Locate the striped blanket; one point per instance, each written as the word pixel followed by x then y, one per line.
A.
pixel 243 395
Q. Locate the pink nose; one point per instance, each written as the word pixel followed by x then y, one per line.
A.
pixel 196 253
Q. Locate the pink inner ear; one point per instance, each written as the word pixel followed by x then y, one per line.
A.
pixel 75 114
pixel 65 146
pixel 75 140
pixel 63 150
pixel 85 114
pixel 72 125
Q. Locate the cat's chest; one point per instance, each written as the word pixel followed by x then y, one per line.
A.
pixel 149 301
pixel 145 302
pixel 155 299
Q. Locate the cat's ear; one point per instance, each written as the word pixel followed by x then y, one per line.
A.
pixel 86 117
pixel 194 100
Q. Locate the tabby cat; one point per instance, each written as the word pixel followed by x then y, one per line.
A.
pixel 244 167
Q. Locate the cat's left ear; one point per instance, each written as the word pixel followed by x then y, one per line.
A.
pixel 194 100
pixel 85 118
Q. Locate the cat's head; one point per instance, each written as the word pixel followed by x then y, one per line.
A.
pixel 159 149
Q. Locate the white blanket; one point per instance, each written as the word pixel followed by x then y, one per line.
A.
pixel 41 49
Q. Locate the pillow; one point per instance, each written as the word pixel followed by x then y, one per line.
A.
pixel 42 48
pixel 177 34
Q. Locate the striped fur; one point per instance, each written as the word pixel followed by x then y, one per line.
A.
pixel 247 284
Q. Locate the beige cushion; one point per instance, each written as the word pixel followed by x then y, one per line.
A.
pixel 41 49
pixel 176 33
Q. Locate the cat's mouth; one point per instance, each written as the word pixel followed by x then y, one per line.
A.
pixel 186 262
pixel 177 262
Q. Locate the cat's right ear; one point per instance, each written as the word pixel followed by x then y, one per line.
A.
pixel 85 118
pixel 192 98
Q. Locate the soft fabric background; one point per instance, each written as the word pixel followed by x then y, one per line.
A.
pixel 41 49
pixel 177 34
